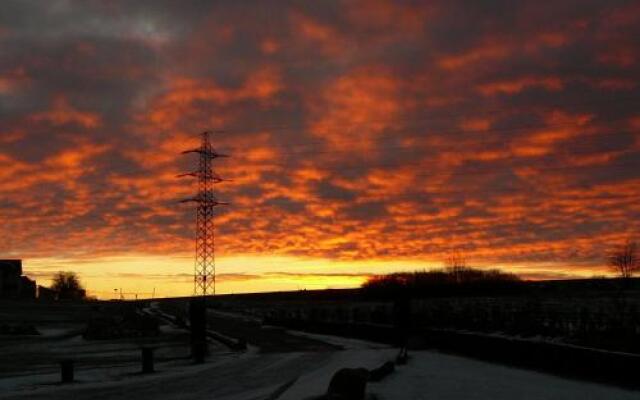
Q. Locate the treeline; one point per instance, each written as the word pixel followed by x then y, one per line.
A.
pixel 453 281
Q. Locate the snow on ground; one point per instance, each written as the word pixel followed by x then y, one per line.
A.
pixel 236 377
pixel 56 332
pixel 432 375
pixel 96 378
pixel 345 343
pixel 234 315
pixel 314 382
pixel 255 375
pixel 107 374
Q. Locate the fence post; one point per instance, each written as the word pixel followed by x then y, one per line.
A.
pixel 147 360
pixel 66 371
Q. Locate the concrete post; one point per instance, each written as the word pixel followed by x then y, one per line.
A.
pixel 66 371
pixel 147 360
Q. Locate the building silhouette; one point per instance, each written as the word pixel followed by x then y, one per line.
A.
pixel 47 294
pixel 13 285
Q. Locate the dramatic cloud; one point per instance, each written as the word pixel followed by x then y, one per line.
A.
pixel 377 130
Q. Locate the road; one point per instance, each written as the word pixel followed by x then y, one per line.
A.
pixel 280 358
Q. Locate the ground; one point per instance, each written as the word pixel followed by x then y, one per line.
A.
pixel 304 369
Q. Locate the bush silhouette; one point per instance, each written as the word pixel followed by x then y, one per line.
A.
pixel 448 281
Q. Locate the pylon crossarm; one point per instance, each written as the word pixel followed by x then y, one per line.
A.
pixel 194 174
pixel 207 153
pixel 213 176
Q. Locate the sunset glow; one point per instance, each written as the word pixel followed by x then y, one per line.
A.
pixel 366 137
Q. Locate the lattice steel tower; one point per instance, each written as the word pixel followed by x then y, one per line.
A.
pixel 204 278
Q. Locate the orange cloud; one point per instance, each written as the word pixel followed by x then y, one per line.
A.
pixel 11 81
pixel 391 17
pixel 63 113
pixel 355 108
pixel 542 142
pixel 490 51
pixel 182 93
pixel 620 55
pixel 321 36
pixel 269 46
pixel 11 136
pixel 515 86
pixel 476 124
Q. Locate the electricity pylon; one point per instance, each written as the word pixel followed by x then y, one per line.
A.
pixel 204 277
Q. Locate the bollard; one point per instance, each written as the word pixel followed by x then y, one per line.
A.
pixel 147 360
pixel 66 371
pixel 402 357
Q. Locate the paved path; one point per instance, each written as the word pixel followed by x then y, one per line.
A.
pixel 246 375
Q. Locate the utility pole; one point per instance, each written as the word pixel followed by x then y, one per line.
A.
pixel 204 279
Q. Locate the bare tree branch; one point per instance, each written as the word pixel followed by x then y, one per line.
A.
pixel 624 259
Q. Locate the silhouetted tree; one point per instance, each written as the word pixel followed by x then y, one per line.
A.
pixel 67 285
pixel 625 259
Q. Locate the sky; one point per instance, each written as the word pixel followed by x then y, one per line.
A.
pixel 365 137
